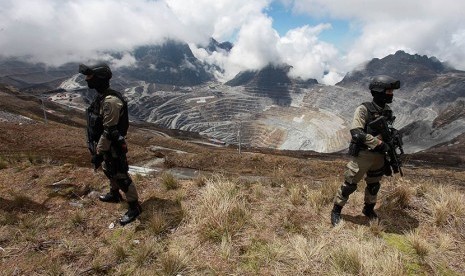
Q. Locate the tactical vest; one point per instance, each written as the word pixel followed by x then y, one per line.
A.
pixel 374 113
pixel 95 119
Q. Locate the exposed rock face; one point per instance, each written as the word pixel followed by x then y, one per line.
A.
pixel 271 82
pixel 215 46
pixel 454 111
pixel 171 63
pixel 33 76
pixel 412 70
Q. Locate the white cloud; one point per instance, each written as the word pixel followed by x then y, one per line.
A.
pixel 258 45
pixel 429 27
pixel 310 57
pixel 217 18
pixel 57 31
pixel 60 31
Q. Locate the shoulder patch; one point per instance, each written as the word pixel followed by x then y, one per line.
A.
pixel 106 108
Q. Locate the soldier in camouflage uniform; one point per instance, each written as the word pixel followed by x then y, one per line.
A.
pixel 107 125
pixel 367 149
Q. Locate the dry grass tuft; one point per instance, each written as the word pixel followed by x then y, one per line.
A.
pixel 200 181
pixel 145 253
pixel 169 181
pixel 418 243
pixel 78 219
pixel 120 253
pixel 259 254
pixel 446 206
pixel 376 227
pixel 173 263
pixel 226 246
pixel 296 194
pixel 400 196
pixel 157 224
pixel 324 195
pixel 279 178
pixel 221 210
pixel 347 260
pixel 20 201
pixel 302 253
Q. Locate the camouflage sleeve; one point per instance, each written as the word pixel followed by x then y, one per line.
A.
pixel 360 117
pixel 110 110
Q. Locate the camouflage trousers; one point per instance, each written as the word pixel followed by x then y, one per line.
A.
pixel 116 170
pixel 368 164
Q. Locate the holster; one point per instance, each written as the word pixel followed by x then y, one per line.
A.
pixel 354 149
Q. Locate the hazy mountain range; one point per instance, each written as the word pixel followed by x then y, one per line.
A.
pixel 168 86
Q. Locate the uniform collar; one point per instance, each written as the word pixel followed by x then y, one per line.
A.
pixel 377 107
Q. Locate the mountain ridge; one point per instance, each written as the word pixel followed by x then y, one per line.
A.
pixel 279 112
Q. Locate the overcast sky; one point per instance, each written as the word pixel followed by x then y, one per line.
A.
pixel 321 39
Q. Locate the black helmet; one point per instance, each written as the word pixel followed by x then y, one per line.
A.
pixel 382 82
pixel 100 70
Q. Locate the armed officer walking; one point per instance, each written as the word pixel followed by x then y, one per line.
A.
pixel 367 149
pixel 107 125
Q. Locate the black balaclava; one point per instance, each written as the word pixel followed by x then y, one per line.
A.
pixel 381 98
pixel 99 84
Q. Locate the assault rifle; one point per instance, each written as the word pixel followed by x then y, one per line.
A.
pixel 393 139
pixel 90 139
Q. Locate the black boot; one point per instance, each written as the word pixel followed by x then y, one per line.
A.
pixel 368 210
pixel 133 212
pixel 112 197
pixel 336 214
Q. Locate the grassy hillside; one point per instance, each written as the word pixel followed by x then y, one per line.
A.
pixel 270 218
pixel 248 214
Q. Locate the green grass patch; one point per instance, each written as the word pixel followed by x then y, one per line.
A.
pixel 258 255
pixel 411 261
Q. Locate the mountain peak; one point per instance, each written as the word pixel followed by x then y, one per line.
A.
pixel 170 63
pixel 401 65
pixel 270 75
pixel 215 46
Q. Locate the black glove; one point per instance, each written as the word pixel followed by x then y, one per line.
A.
pixel 383 147
pixel 96 160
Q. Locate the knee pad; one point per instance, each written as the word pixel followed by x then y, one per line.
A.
pixel 124 183
pixel 348 188
pixel 373 188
